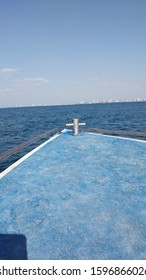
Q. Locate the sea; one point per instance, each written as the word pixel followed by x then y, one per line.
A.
pixel 21 124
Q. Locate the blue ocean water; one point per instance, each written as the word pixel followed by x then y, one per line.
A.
pixel 20 124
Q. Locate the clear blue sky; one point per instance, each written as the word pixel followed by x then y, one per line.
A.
pixel 68 51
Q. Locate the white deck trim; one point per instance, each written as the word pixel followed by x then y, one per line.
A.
pixel 118 137
pixel 11 167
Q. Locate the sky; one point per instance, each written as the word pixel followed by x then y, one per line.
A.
pixel 71 51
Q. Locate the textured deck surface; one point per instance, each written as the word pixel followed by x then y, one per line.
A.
pixel 81 197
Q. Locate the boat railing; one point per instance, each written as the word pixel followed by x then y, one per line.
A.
pixel 115 132
pixel 4 155
pixel 76 130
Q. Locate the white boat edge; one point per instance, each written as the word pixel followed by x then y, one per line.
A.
pixel 11 167
pixel 119 137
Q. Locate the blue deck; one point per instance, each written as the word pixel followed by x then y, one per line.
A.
pixel 81 197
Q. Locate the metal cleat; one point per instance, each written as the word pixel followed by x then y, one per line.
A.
pixel 75 125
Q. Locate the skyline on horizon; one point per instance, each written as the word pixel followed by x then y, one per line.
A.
pixel 65 52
